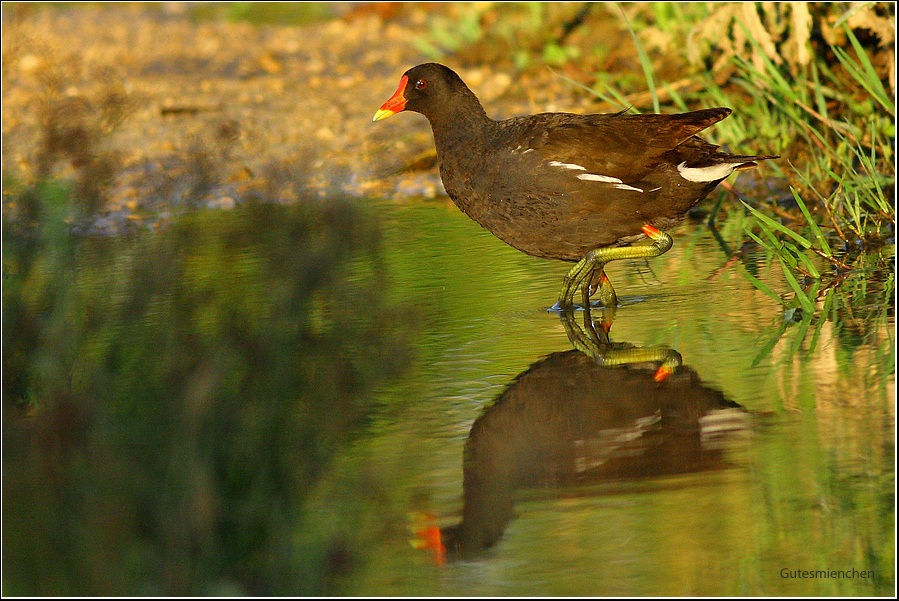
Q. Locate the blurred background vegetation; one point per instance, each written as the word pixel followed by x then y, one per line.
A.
pixel 170 395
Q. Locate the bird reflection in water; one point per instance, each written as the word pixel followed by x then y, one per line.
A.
pixel 603 412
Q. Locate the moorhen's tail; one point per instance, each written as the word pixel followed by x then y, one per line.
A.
pixel 740 161
pixel 699 154
pixel 684 126
pixel 702 118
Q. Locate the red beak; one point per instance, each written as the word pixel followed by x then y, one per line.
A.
pixel 395 103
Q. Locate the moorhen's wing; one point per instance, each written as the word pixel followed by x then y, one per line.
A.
pixel 615 146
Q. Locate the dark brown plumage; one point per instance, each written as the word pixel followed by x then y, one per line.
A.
pixel 559 185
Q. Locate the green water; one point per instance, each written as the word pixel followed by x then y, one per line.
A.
pixel 807 485
pixel 267 401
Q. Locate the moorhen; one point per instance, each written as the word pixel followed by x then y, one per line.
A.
pixel 563 186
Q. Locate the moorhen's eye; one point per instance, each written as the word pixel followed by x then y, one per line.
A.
pixel 421 84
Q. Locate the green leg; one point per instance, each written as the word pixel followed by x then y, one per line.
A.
pixel 600 281
pixel 596 344
pixel 588 274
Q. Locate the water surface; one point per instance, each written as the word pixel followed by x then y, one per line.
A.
pixel 798 478
pixel 291 400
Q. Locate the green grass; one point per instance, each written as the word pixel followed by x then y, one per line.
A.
pixel 264 13
pixel 835 124
pixel 525 34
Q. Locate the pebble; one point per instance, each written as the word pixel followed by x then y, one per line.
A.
pixel 324 134
pixel 30 63
pixel 225 202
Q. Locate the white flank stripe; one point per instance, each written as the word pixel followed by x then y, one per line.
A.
pixel 706 174
pixel 590 177
pixel 567 166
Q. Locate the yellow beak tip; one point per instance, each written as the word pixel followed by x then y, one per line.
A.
pixel 382 114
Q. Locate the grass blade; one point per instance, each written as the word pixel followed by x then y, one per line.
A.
pixel 644 62
pixel 807 305
pixel 816 231
pixel 779 227
pixel 762 287
pixel 825 311
pixel 769 346
pixel 866 74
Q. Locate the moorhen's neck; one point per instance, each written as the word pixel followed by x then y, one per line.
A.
pixel 459 119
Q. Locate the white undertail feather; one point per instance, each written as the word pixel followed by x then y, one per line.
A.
pixel 706 174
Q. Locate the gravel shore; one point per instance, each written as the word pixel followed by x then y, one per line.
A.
pixel 161 113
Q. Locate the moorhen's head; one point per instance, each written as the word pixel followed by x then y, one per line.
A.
pixel 432 90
